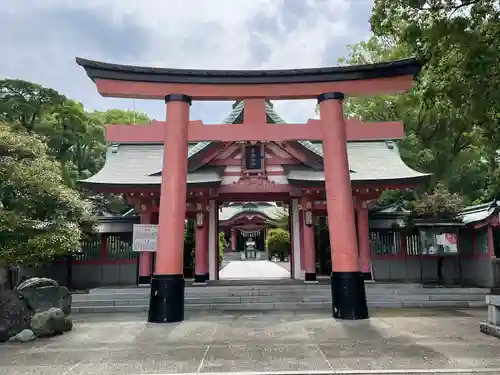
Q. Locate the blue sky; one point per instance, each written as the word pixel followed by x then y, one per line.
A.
pixel 40 39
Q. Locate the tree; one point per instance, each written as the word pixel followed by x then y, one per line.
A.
pixel 119 116
pixel 77 141
pixel 439 138
pixel 221 246
pixel 438 203
pixel 22 103
pixel 457 43
pixel 278 243
pixel 40 217
pixel 282 221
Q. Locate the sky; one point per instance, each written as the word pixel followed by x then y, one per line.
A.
pixel 40 39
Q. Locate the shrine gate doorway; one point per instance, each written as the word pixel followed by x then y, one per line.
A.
pixel 254 88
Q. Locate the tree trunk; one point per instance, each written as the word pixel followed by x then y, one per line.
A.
pixel 5 282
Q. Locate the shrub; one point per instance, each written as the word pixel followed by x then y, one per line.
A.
pixel 278 243
pixel 222 243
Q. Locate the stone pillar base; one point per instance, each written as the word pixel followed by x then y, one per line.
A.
pixel 166 302
pixel 367 275
pixel 349 296
pixel 144 280
pixel 309 277
pixel 201 279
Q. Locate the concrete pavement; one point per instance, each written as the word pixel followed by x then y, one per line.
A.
pixel 253 269
pixel 221 342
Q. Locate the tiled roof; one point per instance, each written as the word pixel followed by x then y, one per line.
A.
pixel 134 164
pixel 368 161
pixel 141 163
pixel 474 214
pixel 272 211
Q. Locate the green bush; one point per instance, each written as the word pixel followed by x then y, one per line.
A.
pixel 278 243
pixel 221 246
pixel 189 244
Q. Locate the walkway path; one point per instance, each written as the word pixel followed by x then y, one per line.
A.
pixel 402 339
pixel 253 269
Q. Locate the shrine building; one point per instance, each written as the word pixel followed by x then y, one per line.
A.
pixel 180 168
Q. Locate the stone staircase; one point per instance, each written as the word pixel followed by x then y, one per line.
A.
pixel 278 295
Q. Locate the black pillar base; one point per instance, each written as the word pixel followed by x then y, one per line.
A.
pixel 144 280
pixel 310 277
pixel 349 296
pixel 201 278
pixel 166 303
pixel 367 275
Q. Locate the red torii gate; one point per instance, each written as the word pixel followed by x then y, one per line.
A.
pixel 178 87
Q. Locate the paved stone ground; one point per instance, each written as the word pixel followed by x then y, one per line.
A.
pixel 390 340
pixel 252 269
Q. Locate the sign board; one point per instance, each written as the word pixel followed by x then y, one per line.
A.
pixel 437 242
pixel 145 237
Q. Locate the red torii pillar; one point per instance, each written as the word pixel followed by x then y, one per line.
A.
pixel 364 241
pixel 145 257
pixel 348 286
pixel 166 302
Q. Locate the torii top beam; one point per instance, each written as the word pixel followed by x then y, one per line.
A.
pixel 125 81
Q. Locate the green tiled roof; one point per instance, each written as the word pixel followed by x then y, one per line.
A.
pixel 267 209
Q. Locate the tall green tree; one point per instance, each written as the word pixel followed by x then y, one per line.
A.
pixel 120 116
pixel 439 139
pixel 458 44
pixel 40 217
pixel 22 103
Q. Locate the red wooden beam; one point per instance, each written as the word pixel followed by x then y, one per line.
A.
pixel 200 91
pixel 154 132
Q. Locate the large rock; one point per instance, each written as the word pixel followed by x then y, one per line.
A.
pixel 43 298
pixel 36 282
pixel 50 322
pixel 15 314
pixel 37 303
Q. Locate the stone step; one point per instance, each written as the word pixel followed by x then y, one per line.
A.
pixel 109 300
pixel 288 306
pixel 287 288
pixel 436 294
pixel 271 287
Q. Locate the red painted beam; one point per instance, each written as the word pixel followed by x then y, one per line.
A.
pixel 154 132
pixel 272 91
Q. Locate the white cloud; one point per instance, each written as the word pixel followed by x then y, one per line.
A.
pixel 44 36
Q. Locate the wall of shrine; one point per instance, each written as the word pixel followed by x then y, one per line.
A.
pixel 109 260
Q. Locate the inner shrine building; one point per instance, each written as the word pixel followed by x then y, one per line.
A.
pixel 180 168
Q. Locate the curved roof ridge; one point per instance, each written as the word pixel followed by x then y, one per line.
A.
pixel 102 70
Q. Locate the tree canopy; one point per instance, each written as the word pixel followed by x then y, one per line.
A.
pixel 40 217
pixel 451 115
pixel 47 143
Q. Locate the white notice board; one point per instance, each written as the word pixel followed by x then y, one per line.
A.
pixel 145 237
